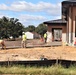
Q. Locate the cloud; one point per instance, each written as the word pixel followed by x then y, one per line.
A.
pixel 53 9
pixel 31 19
pixel 37 13
pixel 3 7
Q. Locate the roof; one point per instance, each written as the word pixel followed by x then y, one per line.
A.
pixel 69 2
pixel 56 21
pixel 66 4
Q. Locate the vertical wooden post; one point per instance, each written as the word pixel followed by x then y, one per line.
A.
pixel 8 61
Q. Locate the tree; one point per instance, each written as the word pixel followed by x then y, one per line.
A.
pixel 16 27
pixel 10 27
pixel 30 28
pixel 3 27
pixel 41 29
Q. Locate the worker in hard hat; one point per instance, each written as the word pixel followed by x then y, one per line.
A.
pixel 24 40
pixel 45 37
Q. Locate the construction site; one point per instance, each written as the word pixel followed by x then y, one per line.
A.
pixel 36 52
pixel 60 43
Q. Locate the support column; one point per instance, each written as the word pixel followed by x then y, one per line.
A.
pixel 69 22
pixel 74 29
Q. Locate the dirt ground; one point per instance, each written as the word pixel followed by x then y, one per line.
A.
pixel 14 52
pixel 23 54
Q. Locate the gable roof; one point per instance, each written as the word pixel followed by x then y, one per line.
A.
pixel 55 21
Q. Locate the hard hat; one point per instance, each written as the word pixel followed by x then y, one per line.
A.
pixel 23 32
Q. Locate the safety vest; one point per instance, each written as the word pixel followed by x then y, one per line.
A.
pixel 24 37
pixel 45 35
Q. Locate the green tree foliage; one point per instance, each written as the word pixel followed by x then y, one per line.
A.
pixel 10 27
pixel 41 29
pixel 30 28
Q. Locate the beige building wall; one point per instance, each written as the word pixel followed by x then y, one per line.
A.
pixel 49 37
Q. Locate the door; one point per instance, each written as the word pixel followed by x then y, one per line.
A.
pixel 57 34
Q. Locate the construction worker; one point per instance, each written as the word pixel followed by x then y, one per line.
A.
pixel 3 44
pixel 24 40
pixel 45 37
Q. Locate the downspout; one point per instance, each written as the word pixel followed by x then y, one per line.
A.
pixel 75 26
pixel 68 26
pixel 72 23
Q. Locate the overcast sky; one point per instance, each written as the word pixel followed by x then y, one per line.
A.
pixel 31 12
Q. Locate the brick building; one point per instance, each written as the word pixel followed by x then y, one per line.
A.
pixel 64 29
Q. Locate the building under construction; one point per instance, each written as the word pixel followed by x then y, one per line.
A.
pixel 63 29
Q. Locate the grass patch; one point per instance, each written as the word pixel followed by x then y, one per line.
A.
pixel 28 70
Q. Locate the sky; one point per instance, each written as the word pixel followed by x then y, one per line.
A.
pixel 31 12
